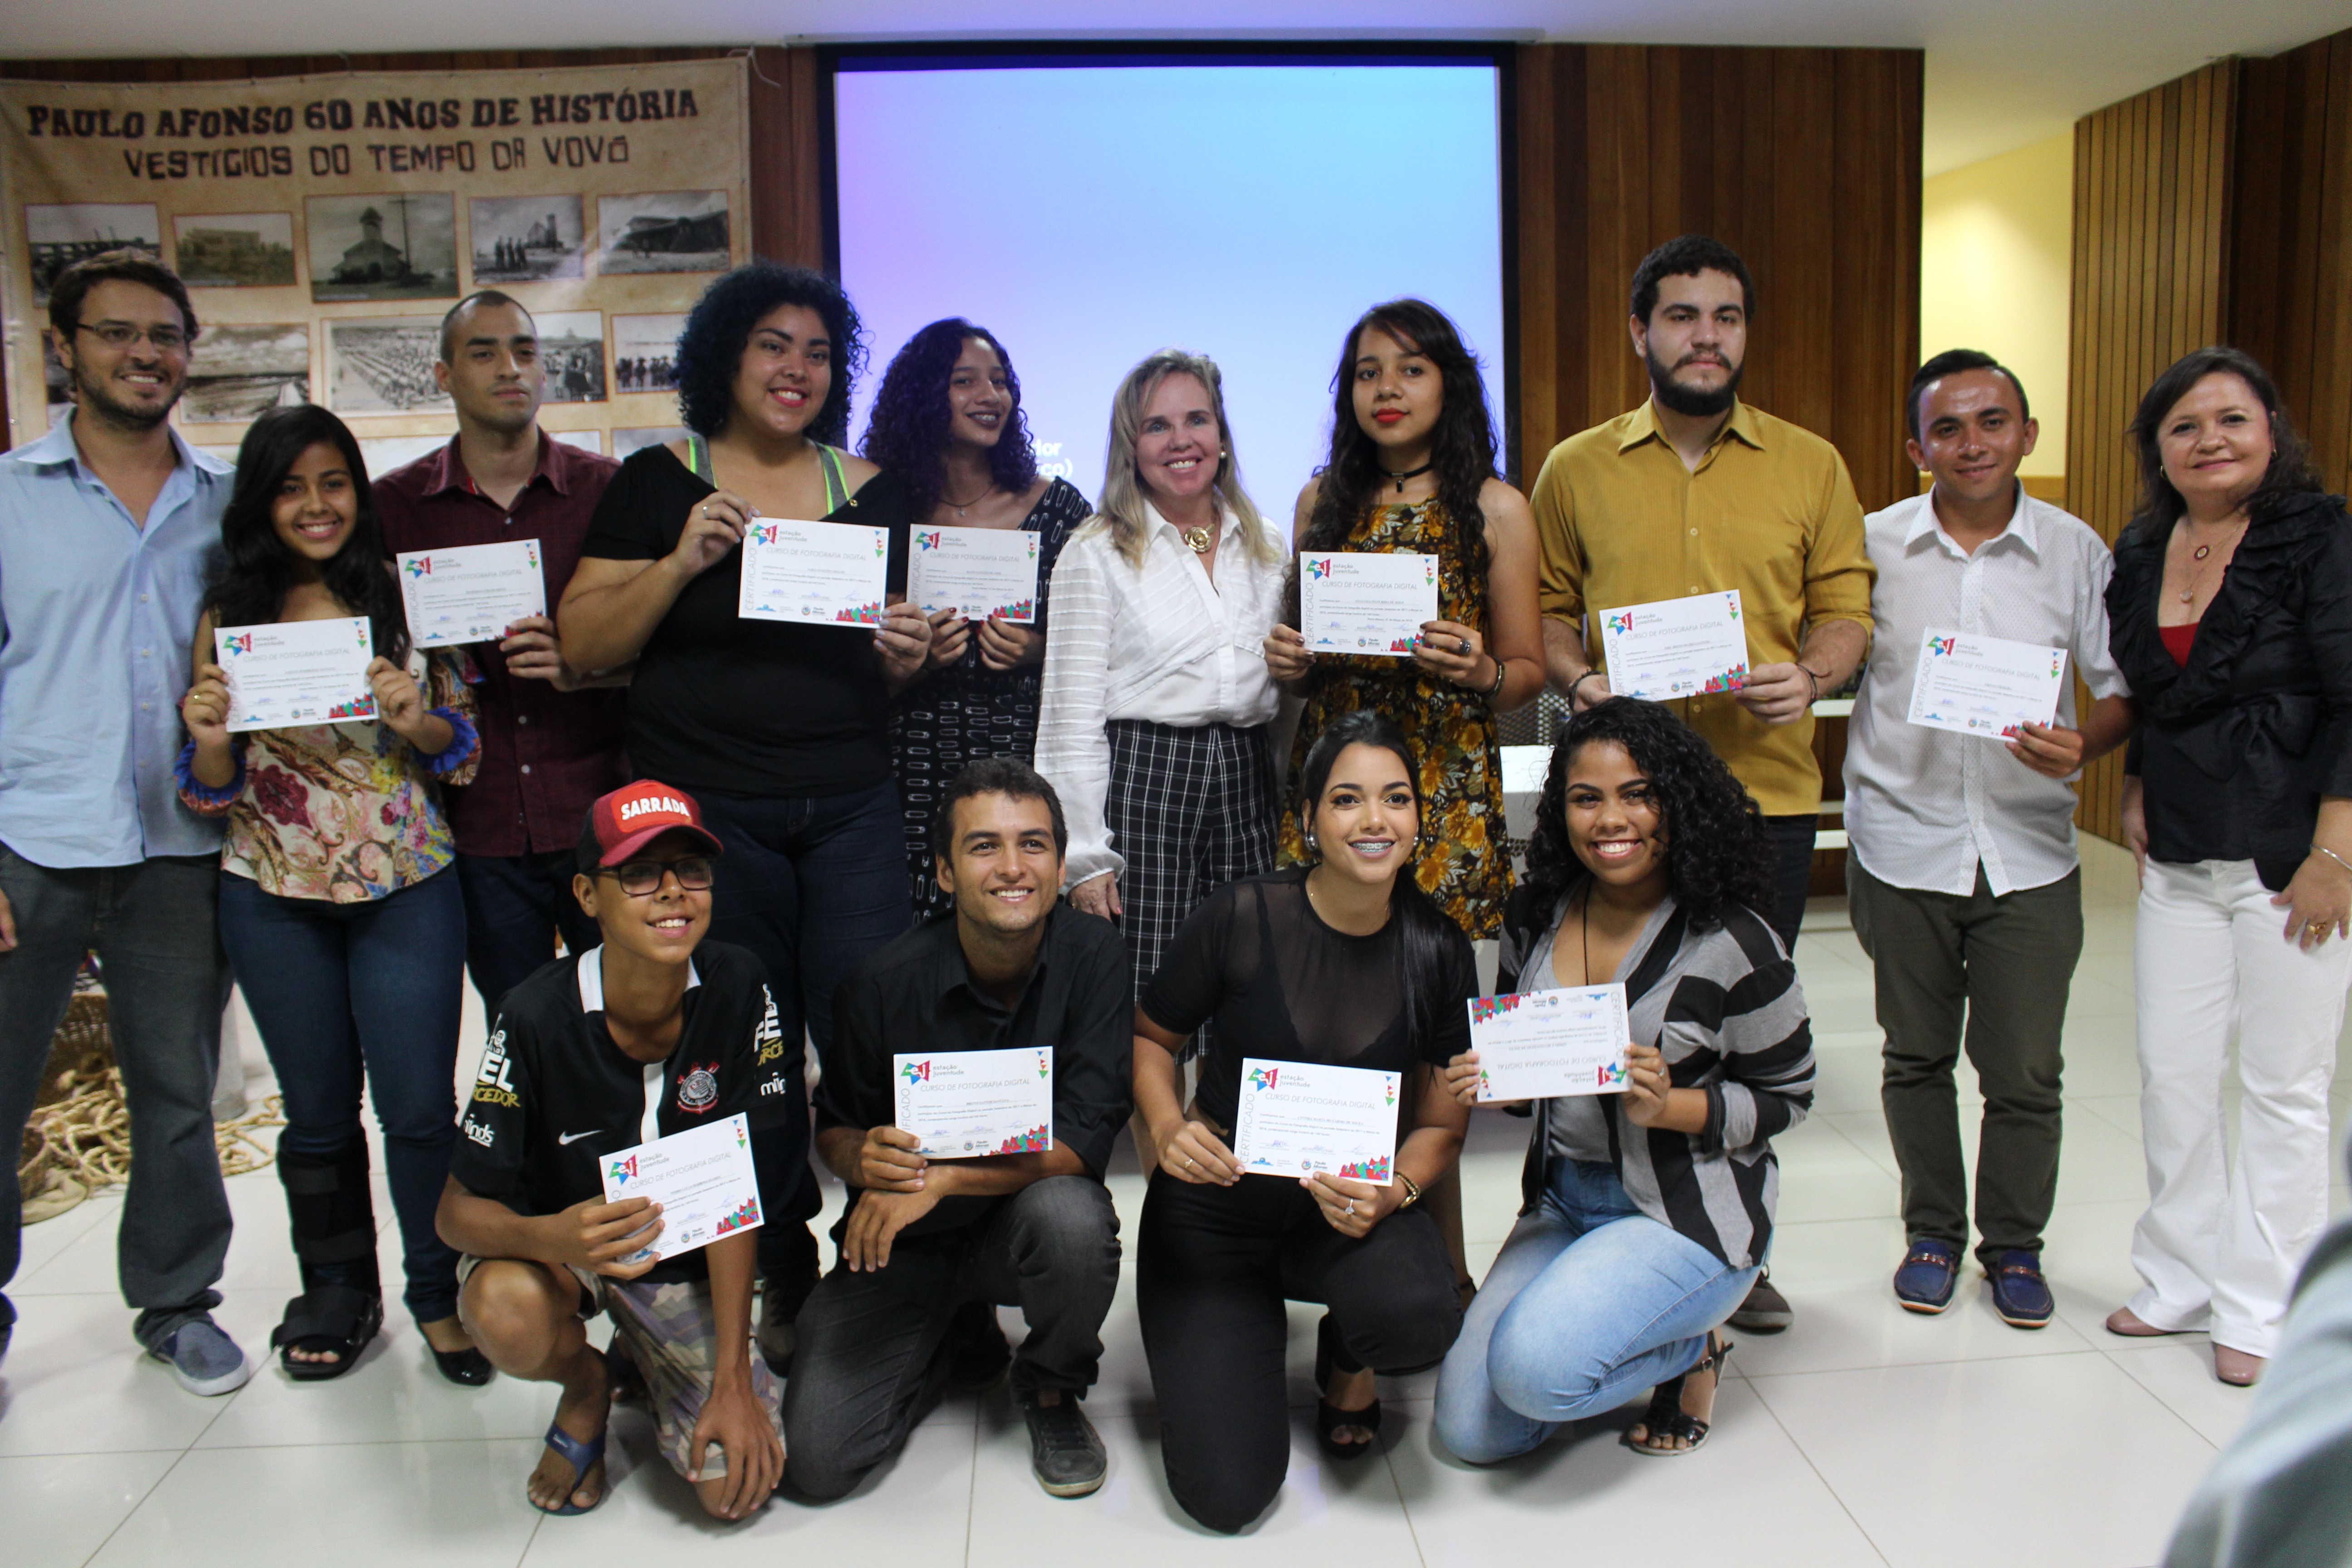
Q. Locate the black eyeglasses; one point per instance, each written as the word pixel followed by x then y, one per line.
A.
pixel 640 878
pixel 123 334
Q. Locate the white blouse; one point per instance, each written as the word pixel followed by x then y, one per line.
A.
pixel 1163 643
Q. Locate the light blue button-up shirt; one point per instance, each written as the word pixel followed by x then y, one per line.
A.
pixel 97 618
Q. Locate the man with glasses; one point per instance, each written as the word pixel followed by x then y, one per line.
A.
pixel 105 526
pixel 652 1033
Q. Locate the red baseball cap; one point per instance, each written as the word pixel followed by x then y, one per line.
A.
pixel 626 821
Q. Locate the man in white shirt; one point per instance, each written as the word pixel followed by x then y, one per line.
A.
pixel 1965 887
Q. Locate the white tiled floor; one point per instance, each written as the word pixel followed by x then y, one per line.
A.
pixel 1846 1440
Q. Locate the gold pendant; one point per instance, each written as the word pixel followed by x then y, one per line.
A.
pixel 1200 539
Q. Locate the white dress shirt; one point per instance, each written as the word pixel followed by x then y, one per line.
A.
pixel 1163 643
pixel 1924 807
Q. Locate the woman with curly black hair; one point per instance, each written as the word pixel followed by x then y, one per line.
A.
pixel 780 730
pixel 948 422
pixel 1647 1215
pixel 1411 469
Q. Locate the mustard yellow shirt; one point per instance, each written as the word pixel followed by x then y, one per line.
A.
pixel 1770 511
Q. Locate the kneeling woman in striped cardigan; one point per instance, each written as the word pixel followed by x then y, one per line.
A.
pixel 1646 1213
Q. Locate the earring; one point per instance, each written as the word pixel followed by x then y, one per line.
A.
pixel 1313 847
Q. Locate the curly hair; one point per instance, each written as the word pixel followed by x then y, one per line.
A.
pixel 908 431
pixel 1717 852
pixel 718 328
pixel 1463 450
pixel 2291 471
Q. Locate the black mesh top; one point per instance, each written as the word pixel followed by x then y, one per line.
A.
pixel 1256 958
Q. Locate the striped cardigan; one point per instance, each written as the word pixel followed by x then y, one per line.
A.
pixel 1724 1008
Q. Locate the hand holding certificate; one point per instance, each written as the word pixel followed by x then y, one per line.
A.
pixel 818 573
pixel 1299 1119
pixel 472 593
pixel 1985 686
pixel 1676 648
pixel 1371 602
pixel 961 1104
pixel 978 573
pixel 702 1178
pixel 1539 1045
pixel 297 672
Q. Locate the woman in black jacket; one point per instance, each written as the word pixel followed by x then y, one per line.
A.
pixel 2232 617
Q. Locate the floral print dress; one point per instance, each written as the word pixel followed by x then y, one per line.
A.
pixel 1462 861
pixel 348 811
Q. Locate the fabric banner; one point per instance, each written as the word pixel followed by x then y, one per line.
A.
pixel 324 225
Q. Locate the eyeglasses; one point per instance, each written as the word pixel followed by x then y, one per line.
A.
pixel 641 878
pixel 123 334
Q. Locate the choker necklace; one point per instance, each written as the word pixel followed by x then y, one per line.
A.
pixel 1408 474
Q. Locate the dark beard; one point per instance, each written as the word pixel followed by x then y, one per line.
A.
pixel 96 402
pixel 1682 399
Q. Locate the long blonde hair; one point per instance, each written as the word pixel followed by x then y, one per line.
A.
pixel 1123 511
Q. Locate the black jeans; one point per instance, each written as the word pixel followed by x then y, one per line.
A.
pixel 1213 1269
pixel 515 906
pixel 870 1359
pixel 1792 873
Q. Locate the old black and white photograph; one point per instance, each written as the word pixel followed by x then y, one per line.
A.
pixel 644 353
pixel 571 347
pixel 233 250
pixel 383 364
pixel 521 239
pixel 60 235
pixel 240 369
pixel 668 231
pixel 393 246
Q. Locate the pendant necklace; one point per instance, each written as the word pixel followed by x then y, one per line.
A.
pixel 961 505
pixel 1409 473
pixel 1200 539
pixel 2189 594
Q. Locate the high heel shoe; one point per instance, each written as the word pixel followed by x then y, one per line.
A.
pixel 1330 1357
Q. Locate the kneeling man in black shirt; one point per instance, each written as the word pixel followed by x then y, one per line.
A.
pixel 923 1241
pixel 654 1033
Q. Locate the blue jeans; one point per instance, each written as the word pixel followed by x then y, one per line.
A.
pixel 515 906
pixel 1590 1303
pixel 343 993
pixel 152 925
pixel 811 887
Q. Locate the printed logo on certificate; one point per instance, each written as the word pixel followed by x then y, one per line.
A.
pixel 472 593
pixel 1541 1044
pixel 1676 648
pixel 817 573
pixel 1985 686
pixel 979 573
pixel 1366 602
pixel 963 1104
pixel 702 1178
pixel 291 673
pixel 1296 1119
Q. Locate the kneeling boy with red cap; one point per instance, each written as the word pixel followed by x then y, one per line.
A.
pixel 654 1033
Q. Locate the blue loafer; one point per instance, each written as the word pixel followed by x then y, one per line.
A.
pixel 2019 1294
pixel 1929 1271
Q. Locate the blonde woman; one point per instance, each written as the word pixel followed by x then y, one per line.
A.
pixel 1152 727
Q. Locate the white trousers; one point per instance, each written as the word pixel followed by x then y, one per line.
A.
pixel 2221 1242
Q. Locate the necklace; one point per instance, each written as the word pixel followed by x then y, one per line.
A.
pixel 1400 476
pixel 1584 934
pixel 1200 538
pixel 2189 594
pixel 961 505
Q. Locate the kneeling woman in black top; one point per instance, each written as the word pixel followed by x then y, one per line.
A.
pixel 1345 962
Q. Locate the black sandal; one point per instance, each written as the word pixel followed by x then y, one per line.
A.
pixel 1331 1356
pixel 468 1368
pixel 1666 1418
pixel 331 1318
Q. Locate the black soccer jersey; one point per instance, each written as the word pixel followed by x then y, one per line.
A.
pixel 555 1094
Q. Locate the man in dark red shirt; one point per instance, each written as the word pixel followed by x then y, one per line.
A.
pixel 550 734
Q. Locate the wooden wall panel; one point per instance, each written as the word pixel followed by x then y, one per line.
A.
pixel 1804 160
pixel 2152 206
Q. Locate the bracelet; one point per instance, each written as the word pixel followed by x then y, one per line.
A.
pixel 1502 673
pixel 1581 680
pixel 2319 848
pixel 1817 685
pixel 1411 1192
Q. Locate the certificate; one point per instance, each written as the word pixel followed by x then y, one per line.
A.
pixel 1985 686
pixel 297 672
pixel 975 571
pixel 702 1178
pixel 823 573
pixel 1299 1118
pixel 966 1103
pixel 471 593
pixel 1539 1045
pixel 1676 648
pixel 1371 602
